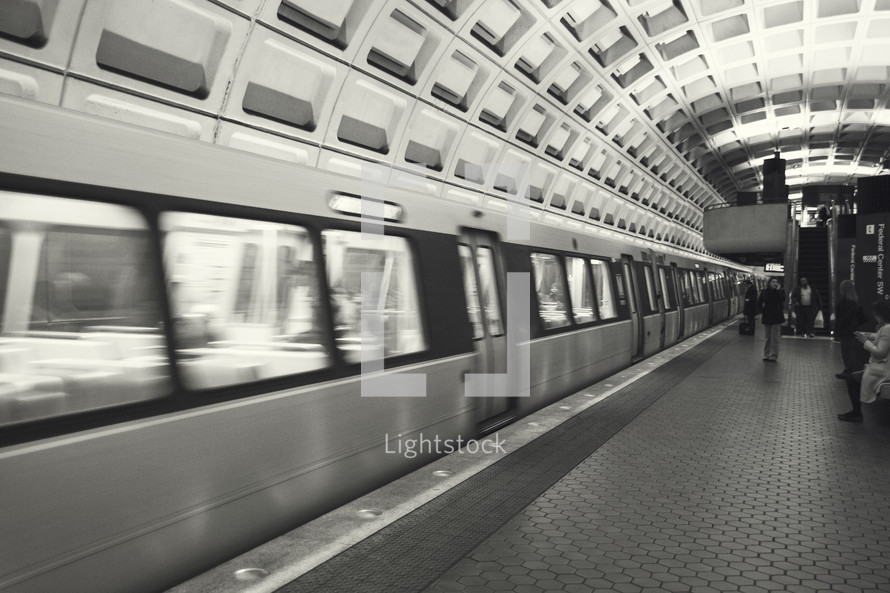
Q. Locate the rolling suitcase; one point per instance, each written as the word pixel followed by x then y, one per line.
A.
pixel 746 329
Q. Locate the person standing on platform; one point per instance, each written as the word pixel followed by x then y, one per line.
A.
pixel 848 316
pixel 771 305
pixel 750 308
pixel 807 302
pixel 863 386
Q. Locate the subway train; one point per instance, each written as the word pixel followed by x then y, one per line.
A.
pixel 203 348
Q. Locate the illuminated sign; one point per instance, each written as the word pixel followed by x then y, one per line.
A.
pixel 365 207
pixel 774 268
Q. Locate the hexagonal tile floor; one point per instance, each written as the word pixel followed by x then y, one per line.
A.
pixel 716 472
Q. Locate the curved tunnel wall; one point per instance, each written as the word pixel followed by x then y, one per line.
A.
pixel 459 99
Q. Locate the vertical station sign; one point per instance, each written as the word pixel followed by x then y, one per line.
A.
pixel 870 272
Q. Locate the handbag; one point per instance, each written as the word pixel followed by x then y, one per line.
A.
pixel 819 323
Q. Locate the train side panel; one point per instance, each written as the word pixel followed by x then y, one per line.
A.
pixel 696 319
pixel 220 478
pixel 652 329
pixel 671 328
pixel 595 352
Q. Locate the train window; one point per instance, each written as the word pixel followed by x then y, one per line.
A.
pixel 244 298
pixel 717 286
pixel 474 311
pixel 702 288
pixel 580 290
pixel 627 286
pixel 375 295
pixel 619 285
pixel 603 287
pixel 81 327
pixel 551 290
pixel 689 289
pixel 650 289
pixel 694 288
pixel 485 260
pixel 666 290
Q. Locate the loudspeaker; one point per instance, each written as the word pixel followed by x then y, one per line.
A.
pixel 774 166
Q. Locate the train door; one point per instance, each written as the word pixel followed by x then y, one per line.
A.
pixel 655 285
pixel 669 304
pixel 633 302
pixel 707 281
pixel 681 302
pixel 701 277
pixel 479 258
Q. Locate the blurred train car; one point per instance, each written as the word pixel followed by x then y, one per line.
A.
pixel 193 340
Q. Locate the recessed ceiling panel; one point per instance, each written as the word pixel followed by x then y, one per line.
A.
pixel 730 27
pixel 783 14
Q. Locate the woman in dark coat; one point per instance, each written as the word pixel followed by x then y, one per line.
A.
pixel 848 316
pixel 750 308
pixel 771 305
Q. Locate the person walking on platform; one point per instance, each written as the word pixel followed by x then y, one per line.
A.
pixel 848 316
pixel 771 305
pixel 750 308
pixel 807 302
pixel 863 386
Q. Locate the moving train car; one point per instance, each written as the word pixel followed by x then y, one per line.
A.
pixel 202 348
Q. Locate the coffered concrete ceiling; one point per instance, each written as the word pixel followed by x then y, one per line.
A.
pixel 630 115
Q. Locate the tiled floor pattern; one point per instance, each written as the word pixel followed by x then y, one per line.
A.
pixel 411 552
pixel 740 478
pixel 716 472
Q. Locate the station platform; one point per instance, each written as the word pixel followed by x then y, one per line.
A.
pixel 702 469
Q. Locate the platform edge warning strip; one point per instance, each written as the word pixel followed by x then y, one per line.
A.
pixel 412 552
